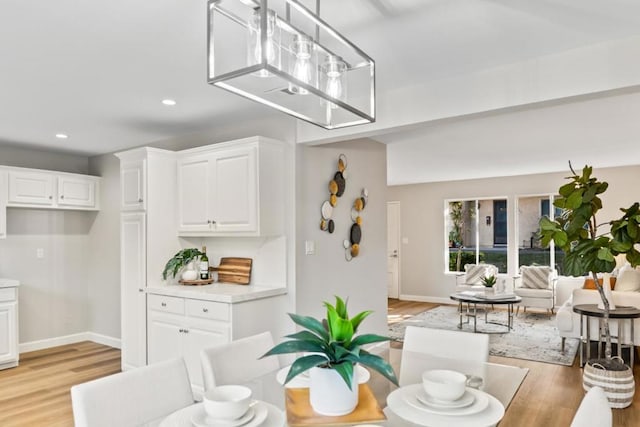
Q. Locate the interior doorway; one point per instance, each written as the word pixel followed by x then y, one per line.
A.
pixel 393 249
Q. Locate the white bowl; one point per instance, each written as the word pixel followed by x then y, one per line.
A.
pixel 227 402
pixel 443 384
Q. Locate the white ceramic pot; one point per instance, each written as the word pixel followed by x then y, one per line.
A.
pixel 190 272
pixel 329 394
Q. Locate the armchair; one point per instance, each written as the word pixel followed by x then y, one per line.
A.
pixel 472 276
pixel 536 285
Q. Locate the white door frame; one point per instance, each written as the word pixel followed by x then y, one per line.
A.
pixel 396 205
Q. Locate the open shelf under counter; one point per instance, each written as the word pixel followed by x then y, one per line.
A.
pixel 220 292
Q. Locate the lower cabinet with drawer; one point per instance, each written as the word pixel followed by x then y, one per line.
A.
pixel 8 327
pixel 182 327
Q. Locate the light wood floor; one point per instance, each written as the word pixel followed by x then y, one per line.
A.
pixel 549 395
pixel 36 393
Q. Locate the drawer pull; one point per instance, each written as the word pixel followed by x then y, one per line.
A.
pixel 181 330
pixel 186 331
pixel 164 304
pixel 139 200
pixel 205 310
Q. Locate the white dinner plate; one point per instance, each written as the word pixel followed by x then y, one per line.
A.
pixel 255 416
pixel 417 413
pixel 302 380
pixel 479 402
pixel 467 399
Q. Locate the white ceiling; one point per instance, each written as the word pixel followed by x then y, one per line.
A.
pixel 98 70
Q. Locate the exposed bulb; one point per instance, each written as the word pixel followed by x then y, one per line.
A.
pixel 302 67
pixel 255 42
pixel 335 86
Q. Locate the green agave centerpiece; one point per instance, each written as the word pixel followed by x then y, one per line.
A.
pixel 333 344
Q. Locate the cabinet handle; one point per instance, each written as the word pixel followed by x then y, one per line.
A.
pixel 140 290
pixel 205 310
pixel 164 304
pixel 181 330
pixel 62 196
pixel 139 200
pixel 186 331
pixel 213 221
pixel 50 197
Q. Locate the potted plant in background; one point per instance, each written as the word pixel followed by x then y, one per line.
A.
pixel 489 282
pixel 588 248
pixel 333 350
pixel 182 260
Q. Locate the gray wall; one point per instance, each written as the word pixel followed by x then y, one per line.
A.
pixel 53 291
pixel 327 273
pixel 422 265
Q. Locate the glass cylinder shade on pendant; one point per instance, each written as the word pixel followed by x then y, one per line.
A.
pixel 333 79
pixel 271 44
pixel 303 67
pixel 308 63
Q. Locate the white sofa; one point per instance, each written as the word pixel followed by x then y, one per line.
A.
pixel 568 322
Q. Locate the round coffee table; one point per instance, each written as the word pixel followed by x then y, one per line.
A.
pixel 475 298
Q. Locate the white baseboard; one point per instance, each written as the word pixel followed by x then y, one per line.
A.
pixel 422 298
pixel 68 339
pixel 104 340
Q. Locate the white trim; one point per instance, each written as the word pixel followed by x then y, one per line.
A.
pixel 423 298
pixel 104 340
pixel 68 339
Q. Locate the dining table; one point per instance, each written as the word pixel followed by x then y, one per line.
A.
pixel 496 389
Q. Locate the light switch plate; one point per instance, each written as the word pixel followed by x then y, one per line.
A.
pixel 405 240
pixel 309 247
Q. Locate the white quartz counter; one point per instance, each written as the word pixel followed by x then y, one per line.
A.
pixel 9 283
pixel 219 292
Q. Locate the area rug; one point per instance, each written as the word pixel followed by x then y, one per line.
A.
pixel 533 337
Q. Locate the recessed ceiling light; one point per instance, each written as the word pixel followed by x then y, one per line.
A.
pixel 169 102
pixel 62 136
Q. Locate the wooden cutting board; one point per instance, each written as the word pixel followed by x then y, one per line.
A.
pixel 234 270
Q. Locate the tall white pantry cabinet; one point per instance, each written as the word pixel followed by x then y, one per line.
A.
pixel 147 188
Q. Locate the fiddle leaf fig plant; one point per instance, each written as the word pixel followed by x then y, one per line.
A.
pixel 587 247
pixel 179 261
pixel 333 344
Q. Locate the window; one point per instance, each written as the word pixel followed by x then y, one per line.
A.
pixel 530 250
pixel 476 232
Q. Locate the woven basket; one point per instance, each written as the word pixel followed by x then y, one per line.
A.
pixel 619 386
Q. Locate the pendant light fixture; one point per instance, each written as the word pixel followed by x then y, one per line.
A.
pixel 282 54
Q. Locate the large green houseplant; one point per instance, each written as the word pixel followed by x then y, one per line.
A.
pixel 588 245
pixel 179 261
pixel 331 343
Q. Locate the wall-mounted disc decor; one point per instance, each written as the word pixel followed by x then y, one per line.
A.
pixel 337 185
pixel 352 244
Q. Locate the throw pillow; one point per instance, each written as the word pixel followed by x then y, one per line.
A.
pixel 535 277
pixel 628 279
pixel 591 285
pixel 475 272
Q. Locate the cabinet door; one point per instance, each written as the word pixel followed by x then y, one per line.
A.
pixel 3 204
pixel 200 334
pixel 133 185
pixel 132 283
pixel 31 188
pixel 194 188
pixel 8 332
pixel 166 334
pixel 76 191
pixel 235 192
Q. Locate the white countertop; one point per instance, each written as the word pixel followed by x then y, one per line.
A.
pixel 9 283
pixel 219 292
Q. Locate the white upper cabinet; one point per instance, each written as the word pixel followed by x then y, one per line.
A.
pixel 233 188
pixel 31 188
pixel 77 191
pixel 133 185
pixel 55 190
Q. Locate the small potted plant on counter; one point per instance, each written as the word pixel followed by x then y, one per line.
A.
pixel 333 350
pixel 181 260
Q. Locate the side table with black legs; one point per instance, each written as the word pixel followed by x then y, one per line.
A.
pixel 620 313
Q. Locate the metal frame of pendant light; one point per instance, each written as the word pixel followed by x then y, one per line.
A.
pixel 363 64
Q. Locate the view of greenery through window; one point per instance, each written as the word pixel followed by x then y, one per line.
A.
pixel 477 232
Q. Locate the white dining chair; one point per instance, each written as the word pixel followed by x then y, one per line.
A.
pixel 441 349
pixel 134 397
pixel 594 411
pixel 238 362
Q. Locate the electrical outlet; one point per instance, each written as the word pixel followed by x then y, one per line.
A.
pixel 40 253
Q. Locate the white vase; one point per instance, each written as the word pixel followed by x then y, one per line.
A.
pixel 606 287
pixel 329 393
pixel 190 273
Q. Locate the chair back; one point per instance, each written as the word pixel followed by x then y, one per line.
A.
pixel 594 411
pixel 238 361
pixel 134 397
pixel 426 348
